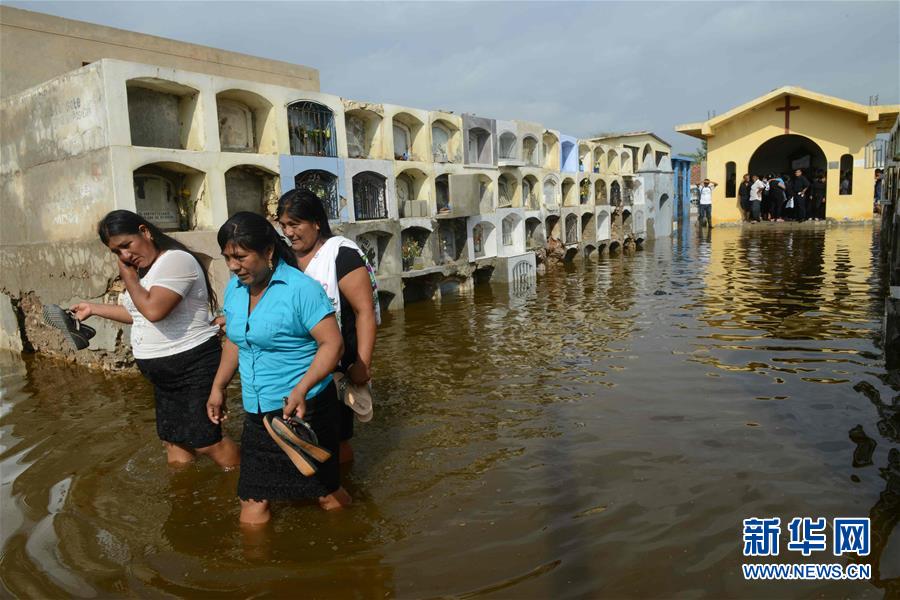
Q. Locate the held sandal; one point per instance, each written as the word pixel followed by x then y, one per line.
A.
pixel 301 460
pixel 75 331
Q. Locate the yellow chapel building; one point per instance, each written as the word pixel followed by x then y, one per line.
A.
pixel 792 128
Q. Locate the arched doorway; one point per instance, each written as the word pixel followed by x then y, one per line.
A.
pixel 784 153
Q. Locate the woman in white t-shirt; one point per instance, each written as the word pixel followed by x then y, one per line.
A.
pixel 168 303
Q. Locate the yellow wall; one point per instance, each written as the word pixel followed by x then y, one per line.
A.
pixel 837 132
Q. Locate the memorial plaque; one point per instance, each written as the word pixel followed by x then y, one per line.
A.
pixel 154 199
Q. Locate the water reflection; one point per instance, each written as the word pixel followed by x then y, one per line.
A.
pixel 603 433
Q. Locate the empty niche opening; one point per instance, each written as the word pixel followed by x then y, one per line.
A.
pixel 370 196
pixel 506 190
pixel 508 229
pixel 363 133
pixel 625 161
pixel 243 119
pixel 452 239
pixel 587 227
pixel 168 194
pixel 415 248
pixel 529 192
pixel 663 200
pixel 374 245
pixel 534 236
pixel 508 145
pixel 627 224
pixel 603 226
pixel 529 150
pixel 252 189
pixel 568 192
pixel 163 114
pixel 550 199
pixel 324 185
pixel 479 146
pixel 571 228
pixel 612 161
pixel 485 194
pixel 412 193
pixel 550 146
pixel 552 227
pixel 600 192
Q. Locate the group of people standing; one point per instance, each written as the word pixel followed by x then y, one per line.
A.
pixel 299 312
pixel 771 197
pixel 783 197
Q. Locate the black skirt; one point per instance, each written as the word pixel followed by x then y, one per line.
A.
pixel 266 471
pixel 181 385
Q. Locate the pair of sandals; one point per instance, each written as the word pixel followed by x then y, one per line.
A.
pixel 77 333
pixel 298 440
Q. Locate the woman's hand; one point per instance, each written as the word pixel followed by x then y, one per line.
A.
pixel 359 373
pixel 296 404
pixel 215 406
pixel 127 271
pixel 219 322
pixel 82 310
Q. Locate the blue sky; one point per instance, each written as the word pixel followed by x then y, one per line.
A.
pixel 580 67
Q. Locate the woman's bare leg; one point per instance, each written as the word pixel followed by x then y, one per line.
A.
pixel 337 499
pixel 224 453
pixel 345 452
pixel 255 512
pixel 177 455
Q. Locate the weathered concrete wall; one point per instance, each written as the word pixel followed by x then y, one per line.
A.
pixel 55 156
pixel 35 48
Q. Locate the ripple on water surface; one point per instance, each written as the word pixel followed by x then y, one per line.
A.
pixel 605 435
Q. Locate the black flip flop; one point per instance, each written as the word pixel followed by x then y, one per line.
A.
pixel 75 331
pixel 300 459
pixel 299 434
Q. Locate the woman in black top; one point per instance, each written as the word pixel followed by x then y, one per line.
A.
pixel 302 217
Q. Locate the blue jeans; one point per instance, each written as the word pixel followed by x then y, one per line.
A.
pixel 706 214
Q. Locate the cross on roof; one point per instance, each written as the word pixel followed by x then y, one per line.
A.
pixel 787 108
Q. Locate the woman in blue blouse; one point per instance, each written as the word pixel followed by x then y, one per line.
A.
pixel 282 332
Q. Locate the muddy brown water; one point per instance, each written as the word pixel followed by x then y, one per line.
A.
pixel 603 436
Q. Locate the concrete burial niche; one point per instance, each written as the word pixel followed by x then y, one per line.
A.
pixel 164 114
pixel 246 123
pixel 167 194
pixel 250 188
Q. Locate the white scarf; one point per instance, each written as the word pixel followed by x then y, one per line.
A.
pixel 322 268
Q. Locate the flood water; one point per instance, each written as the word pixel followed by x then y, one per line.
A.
pixel 604 436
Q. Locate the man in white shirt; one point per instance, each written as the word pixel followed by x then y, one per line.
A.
pixel 706 191
pixel 756 196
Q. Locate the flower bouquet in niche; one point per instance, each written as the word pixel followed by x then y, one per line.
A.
pixel 411 252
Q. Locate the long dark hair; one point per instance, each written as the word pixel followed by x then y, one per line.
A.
pixel 125 222
pixel 303 205
pixel 253 232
